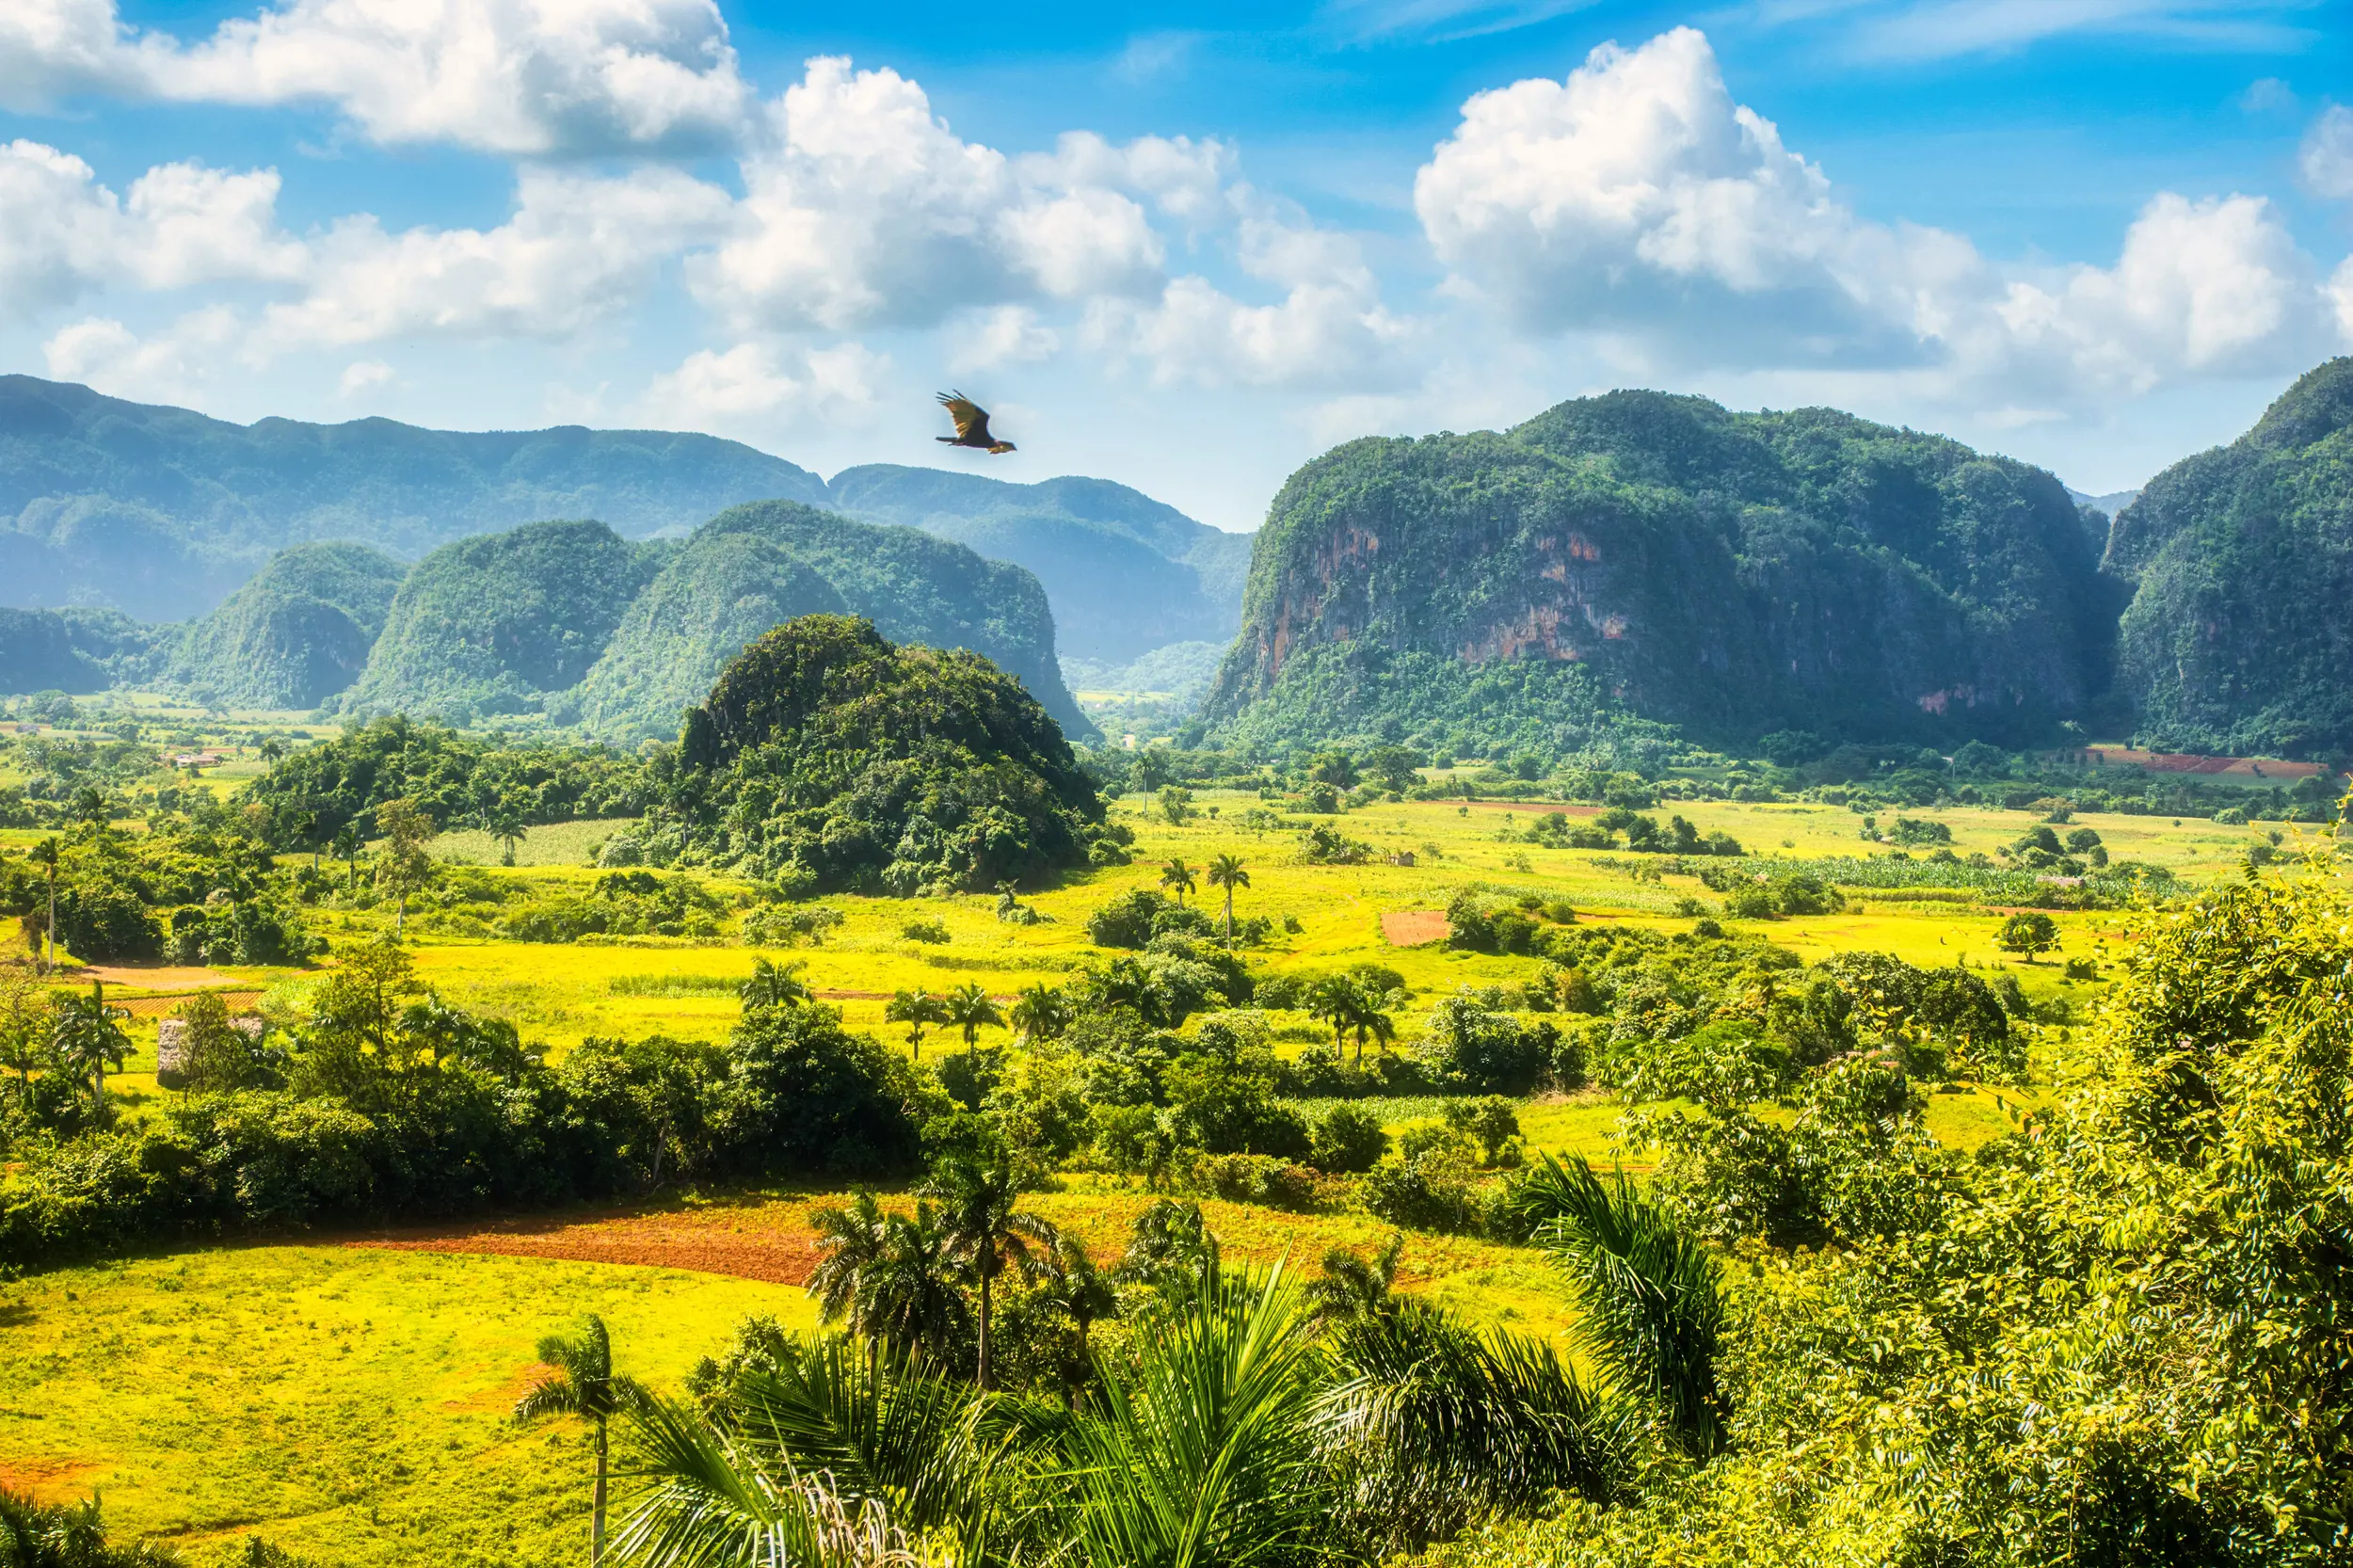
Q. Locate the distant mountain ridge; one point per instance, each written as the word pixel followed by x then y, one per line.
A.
pixel 162 513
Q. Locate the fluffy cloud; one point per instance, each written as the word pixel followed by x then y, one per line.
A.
pixel 757 390
pixel 1330 329
pixel 62 233
pixel 2327 156
pixel 576 250
pixel 1636 198
pixel 863 208
pixel 172 366
pixel 1002 335
pixel 515 76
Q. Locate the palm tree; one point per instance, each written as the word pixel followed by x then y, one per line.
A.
pixel 1653 1302
pixel 1069 1283
pixel 92 809
pixel 1177 877
pixel 1226 871
pixel 773 984
pixel 1041 1012
pixel 853 1242
pixel 1354 1287
pixel 1172 1249
pixel 87 1038
pixel 505 829
pixel 983 1231
pixel 969 1008
pixel 346 848
pixel 913 1298
pixel 1335 1000
pixel 272 749
pixel 584 1384
pixel 44 855
pixel 918 1011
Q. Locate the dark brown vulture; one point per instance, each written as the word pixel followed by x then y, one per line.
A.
pixel 971 424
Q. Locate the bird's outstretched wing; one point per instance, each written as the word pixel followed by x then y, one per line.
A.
pixel 972 419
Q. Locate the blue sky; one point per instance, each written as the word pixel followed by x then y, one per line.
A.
pixel 1188 251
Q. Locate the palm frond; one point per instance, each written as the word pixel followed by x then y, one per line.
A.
pixel 1653 1307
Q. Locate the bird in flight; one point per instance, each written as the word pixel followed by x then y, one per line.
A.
pixel 971 424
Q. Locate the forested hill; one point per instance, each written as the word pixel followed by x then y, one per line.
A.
pixel 1661 557
pixel 1125 573
pixel 618 637
pixel 161 512
pixel 2238 638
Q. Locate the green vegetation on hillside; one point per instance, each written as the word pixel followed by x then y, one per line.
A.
pixel 295 636
pixel 828 756
pixel 723 587
pixel 456 778
pixel 2236 640
pixel 919 589
pixel 496 624
pixel 1732 573
pixel 161 512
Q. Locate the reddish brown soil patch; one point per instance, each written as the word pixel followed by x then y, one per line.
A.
pixel 163 1007
pixel 158 977
pixel 49 1480
pixel 2185 761
pixel 1411 928
pixel 764 1244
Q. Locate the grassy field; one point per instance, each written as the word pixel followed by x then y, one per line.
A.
pixel 349 1401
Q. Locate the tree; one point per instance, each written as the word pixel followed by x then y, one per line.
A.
pixel 44 855
pixel 775 984
pixel 402 867
pixel 969 1008
pixel 584 1384
pixel 1354 1287
pixel 1652 1299
pixel 1351 1005
pixel 1041 1012
pixel 1176 805
pixel 346 848
pixel 914 1300
pixel 918 1011
pixel 24 1035
pixel 982 1228
pixel 2028 931
pixel 1227 872
pixel 851 1245
pixel 92 809
pixel 505 829
pixel 272 749
pixel 1069 1282
pixel 1177 877
pixel 88 1038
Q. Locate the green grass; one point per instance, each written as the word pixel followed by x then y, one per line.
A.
pixel 349 1404
pixel 562 843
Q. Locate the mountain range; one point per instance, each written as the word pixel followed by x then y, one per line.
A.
pixel 162 513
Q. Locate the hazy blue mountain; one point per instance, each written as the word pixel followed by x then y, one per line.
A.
pixel 162 512
pixel 1123 573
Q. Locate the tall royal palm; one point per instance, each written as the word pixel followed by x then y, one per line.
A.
pixel 584 1384
pixel 1177 877
pixel 918 1011
pixel 970 1009
pixel 983 1230
pixel 852 1243
pixel 773 984
pixel 44 855
pixel 1227 872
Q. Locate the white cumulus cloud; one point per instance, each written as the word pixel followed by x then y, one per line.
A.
pixel 2326 158
pixel 1635 199
pixel 758 391
pixel 172 366
pixel 529 77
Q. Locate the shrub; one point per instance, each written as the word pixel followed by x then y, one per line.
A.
pixel 928 929
pixel 1258 1178
pixel 1428 1193
pixel 1127 920
pixel 1348 1141
pixel 785 925
pixel 1473 1049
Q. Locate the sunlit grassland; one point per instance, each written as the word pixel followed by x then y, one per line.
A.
pixel 347 1403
